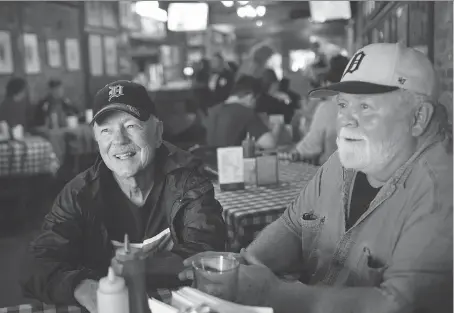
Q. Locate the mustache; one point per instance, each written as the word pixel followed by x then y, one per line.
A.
pixel 351 134
pixel 124 149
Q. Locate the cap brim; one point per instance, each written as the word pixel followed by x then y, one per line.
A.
pixel 117 107
pixel 352 87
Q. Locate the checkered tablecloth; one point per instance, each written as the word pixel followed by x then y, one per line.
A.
pixel 164 295
pixel 31 156
pixel 247 211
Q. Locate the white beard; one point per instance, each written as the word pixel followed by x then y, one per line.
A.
pixel 363 155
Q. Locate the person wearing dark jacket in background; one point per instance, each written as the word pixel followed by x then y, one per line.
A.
pixel 269 100
pixel 54 104
pixel 221 80
pixel 284 87
pixel 15 108
pixel 140 186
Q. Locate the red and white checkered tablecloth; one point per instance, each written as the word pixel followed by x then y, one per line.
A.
pixel 164 295
pixel 255 207
pixel 31 156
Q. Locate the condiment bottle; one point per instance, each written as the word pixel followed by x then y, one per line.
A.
pixel 112 294
pixel 130 264
pixel 248 147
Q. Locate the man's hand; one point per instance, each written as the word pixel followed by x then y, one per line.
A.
pixel 187 273
pixel 85 294
pixel 256 284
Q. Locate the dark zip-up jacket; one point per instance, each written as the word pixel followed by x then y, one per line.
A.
pixel 74 243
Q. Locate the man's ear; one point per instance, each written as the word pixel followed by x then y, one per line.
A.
pixel 421 119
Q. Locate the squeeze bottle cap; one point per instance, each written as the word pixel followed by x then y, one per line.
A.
pixel 111 283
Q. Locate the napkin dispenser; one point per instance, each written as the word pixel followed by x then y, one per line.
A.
pixel 267 169
pixel 230 168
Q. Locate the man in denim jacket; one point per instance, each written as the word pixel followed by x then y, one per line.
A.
pixel 372 231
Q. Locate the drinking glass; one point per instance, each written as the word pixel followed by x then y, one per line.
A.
pixel 217 276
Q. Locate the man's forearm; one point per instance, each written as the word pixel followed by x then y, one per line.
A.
pixel 290 297
pixel 284 243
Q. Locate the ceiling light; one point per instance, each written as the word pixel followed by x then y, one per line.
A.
pixel 150 9
pixel 261 10
pixel 241 12
pixel 250 11
pixel 259 23
pixel 227 3
pixel 243 2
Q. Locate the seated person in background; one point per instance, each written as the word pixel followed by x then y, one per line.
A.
pixel 140 186
pixel 15 108
pixel 284 87
pixel 269 99
pixel 55 107
pixel 229 123
pixel 221 80
pixel 372 231
pixel 320 142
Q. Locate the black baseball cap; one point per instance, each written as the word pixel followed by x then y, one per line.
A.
pixel 126 96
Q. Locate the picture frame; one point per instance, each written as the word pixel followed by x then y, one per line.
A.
pixel 53 53
pixel 31 54
pixel 72 54
pixel 95 51
pixel 6 53
pixel 111 55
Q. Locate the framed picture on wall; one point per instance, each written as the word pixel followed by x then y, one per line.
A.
pixel 92 13
pixel 108 15
pixel 53 53
pixel 72 54
pixel 95 55
pixel 31 54
pixel 110 53
pixel 6 54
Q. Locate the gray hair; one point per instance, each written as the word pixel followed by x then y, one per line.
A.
pixel 439 124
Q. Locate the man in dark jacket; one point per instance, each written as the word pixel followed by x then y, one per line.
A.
pixel 55 107
pixel 221 80
pixel 140 186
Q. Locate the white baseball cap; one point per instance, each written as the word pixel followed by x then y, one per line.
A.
pixel 385 67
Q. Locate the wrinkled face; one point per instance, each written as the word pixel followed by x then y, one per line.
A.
pixel 372 130
pixel 126 144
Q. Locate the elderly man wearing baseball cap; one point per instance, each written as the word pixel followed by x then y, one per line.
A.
pixel 140 186
pixel 372 231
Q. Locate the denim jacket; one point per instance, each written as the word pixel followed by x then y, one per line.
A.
pixel 402 245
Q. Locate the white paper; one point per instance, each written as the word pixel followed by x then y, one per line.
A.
pixel 163 241
pixel 72 54
pixel 157 306
pixel 230 165
pixel 32 61
pixel 53 53
pixel 110 48
pixel 95 52
pixel 190 297
pixel 6 54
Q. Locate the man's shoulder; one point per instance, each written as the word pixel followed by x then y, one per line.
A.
pixel 185 168
pixel 81 182
pixel 332 168
pixel 433 171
